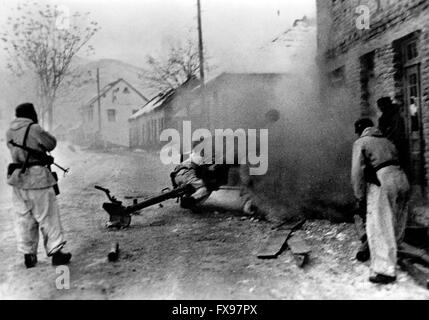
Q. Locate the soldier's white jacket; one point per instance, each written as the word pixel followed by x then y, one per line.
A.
pixel 36 177
pixel 370 149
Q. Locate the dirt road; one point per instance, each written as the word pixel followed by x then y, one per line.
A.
pixel 170 253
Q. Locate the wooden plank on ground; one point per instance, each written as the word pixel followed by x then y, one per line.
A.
pixel 275 243
pixel 297 245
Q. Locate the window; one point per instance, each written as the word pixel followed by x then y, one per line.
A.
pixel 411 50
pixel 126 90
pixel 114 95
pixel 111 115
pixel 368 84
pixel 412 98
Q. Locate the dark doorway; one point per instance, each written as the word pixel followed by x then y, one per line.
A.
pixel 413 111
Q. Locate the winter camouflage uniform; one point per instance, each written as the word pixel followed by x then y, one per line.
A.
pixel 185 173
pixel 34 198
pixel 386 200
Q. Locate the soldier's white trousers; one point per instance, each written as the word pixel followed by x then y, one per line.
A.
pixel 34 210
pixel 387 212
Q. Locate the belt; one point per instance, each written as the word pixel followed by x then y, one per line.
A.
pixel 16 165
pixel 387 164
pixel 33 164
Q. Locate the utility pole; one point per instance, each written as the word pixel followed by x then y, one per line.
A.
pixel 200 43
pixel 100 135
pixel 201 56
pixel 98 100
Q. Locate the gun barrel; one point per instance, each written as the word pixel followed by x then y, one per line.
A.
pixel 61 168
pixel 102 189
pixel 39 154
pixel 175 193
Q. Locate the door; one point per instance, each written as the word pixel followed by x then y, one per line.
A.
pixel 414 125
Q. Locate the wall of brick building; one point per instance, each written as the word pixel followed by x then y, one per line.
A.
pixel 338 18
pixel 342 45
pixel 424 49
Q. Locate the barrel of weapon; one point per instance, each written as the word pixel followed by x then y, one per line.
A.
pixel 175 193
pixel 41 155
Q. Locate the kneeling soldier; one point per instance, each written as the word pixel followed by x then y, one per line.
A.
pixel 187 173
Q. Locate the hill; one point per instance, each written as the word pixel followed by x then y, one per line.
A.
pixel 75 91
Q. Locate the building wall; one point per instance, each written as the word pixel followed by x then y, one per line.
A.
pixel 241 100
pixel 145 131
pixel 124 103
pixel 367 63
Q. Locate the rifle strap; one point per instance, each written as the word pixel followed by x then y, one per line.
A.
pixel 24 143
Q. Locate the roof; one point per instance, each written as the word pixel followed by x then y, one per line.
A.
pixel 211 81
pixel 217 77
pixel 153 104
pixel 164 97
pixel 110 86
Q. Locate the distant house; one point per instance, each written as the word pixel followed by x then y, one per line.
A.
pixel 119 100
pixel 147 123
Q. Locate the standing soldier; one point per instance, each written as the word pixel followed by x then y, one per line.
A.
pixel 33 183
pixel 382 189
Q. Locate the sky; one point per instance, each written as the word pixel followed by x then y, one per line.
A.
pixel 133 29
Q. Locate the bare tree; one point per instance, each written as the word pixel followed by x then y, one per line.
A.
pixel 180 64
pixel 45 39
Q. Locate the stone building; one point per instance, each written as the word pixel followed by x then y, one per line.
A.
pixel 368 49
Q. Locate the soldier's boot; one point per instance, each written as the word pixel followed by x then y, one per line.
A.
pixel 60 258
pixel 30 260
